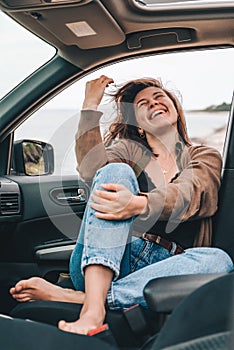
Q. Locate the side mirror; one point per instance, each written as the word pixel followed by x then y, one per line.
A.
pixel 33 158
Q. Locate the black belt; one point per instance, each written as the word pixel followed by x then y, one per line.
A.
pixel 172 247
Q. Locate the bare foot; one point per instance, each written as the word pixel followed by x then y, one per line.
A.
pixel 37 288
pixel 89 320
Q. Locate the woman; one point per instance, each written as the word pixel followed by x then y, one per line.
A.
pixel 149 213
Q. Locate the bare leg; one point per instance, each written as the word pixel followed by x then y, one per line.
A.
pixel 37 288
pixel 97 283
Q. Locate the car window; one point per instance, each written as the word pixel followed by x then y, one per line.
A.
pixel 30 51
pixel 202 81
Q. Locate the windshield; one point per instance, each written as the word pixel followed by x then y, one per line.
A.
pixel 31 53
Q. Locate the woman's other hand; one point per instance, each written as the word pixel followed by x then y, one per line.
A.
pixel 116 202
pixel 94 92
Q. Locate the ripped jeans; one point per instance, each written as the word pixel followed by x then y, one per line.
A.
pixel 134 261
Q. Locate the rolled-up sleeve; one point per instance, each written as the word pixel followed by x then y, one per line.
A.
pixel 92 154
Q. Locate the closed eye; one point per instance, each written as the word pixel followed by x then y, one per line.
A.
pixel 141 103
pixel 158 95
pixel 144 101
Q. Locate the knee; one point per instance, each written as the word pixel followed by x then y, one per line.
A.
pixel 216 259
pixel 116 172
pixel 224 259
pixel 120 173
pixel 117 168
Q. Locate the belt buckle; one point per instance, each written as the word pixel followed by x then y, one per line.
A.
pixel 158 239
pixel 144 237
pixel 173 248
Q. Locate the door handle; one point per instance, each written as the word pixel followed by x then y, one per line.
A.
pixel 77 198
pixel 66 196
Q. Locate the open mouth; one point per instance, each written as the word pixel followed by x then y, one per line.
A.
pixel 157 113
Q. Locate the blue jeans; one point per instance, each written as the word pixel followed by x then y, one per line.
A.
pixel 134 261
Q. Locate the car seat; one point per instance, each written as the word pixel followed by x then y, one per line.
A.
pixel 206 312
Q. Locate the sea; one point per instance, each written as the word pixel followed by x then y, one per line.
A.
pixel 201 124
pixel 58 127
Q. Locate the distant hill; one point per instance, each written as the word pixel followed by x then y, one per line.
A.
pixel 218 108
pixel 223 107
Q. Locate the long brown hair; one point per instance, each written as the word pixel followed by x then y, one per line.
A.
pixel 125 125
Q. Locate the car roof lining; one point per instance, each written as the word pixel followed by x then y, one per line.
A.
pixel 121 29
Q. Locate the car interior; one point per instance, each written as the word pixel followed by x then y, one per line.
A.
pixel 40 212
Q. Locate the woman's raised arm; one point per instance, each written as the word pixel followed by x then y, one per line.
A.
pixel 90 151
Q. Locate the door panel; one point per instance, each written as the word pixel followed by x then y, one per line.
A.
pixel 49 212
pixel 38 240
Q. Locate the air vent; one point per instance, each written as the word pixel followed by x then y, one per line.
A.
pixel 9 203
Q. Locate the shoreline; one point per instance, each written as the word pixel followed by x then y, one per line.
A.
pixel 216 138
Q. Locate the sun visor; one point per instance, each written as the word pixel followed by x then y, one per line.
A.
pixel 17 4
pixel 87 26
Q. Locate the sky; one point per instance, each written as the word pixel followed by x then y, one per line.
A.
pixel 202 78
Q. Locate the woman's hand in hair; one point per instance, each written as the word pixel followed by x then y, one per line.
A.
pixel 94 92
pixel 116 202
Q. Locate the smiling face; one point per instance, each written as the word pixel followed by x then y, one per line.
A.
pixel 154 110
